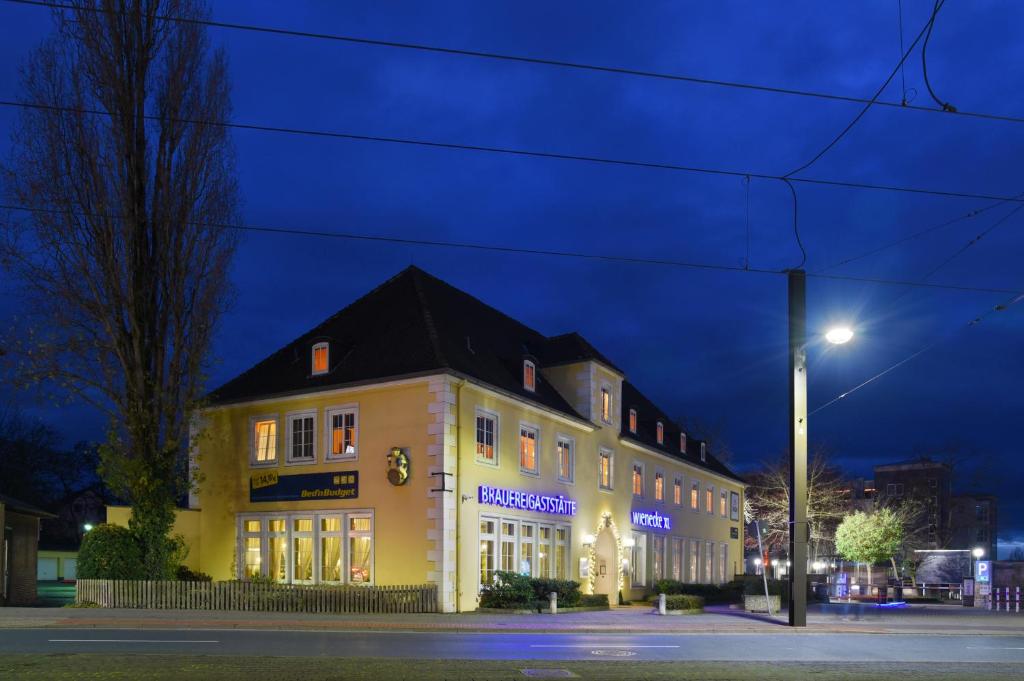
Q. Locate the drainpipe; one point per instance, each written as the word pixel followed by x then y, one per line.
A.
pixel 458 494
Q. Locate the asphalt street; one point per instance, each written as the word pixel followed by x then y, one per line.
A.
pixel 788 647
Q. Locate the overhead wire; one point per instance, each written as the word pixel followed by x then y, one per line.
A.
pixel 511 151
pixel 945 106
pixel 496 56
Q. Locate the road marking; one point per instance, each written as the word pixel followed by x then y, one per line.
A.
pixel 591 645
pixel 122 640
pixel 993 648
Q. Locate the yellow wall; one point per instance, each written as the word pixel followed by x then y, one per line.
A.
pixel 389 416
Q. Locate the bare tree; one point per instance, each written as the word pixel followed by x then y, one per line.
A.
pixel 122 264
pixel 827 495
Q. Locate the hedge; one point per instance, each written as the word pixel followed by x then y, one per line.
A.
pixel 680 602
pixel 593 601
pixel 513 591
pixel 711 593
pixel 110 552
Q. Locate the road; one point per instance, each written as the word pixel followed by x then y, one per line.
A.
pixel 782 647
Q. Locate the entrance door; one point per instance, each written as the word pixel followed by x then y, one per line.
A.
pixel 605 567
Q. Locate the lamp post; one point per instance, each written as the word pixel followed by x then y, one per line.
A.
pixel 799 532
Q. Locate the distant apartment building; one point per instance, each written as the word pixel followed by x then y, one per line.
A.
pixel 973 518
pixel 927 483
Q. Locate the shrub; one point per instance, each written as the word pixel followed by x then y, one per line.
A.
pixel 681 602
pixel 510 590
pixel 185 574
pixel 711 593
pixel 568 591
pixel 594 601
pixel 110 552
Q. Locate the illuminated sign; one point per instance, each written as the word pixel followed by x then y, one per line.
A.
pixel 983 571
pixel 269 486
pixel 655 521
pixel 526 501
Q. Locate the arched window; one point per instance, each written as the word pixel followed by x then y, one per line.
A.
pixel 529 375
pixel 320 358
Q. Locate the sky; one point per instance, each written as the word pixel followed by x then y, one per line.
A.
pixel 706 345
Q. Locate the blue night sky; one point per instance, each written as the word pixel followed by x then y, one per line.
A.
pixel 705 344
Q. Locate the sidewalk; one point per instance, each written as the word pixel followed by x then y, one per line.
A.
pixel 939 620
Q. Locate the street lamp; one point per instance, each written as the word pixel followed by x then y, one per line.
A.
pixel 757 566
pixel 799 531
pixel 87 527
pixel 978 553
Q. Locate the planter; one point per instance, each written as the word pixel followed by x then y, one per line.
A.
pixel 760 604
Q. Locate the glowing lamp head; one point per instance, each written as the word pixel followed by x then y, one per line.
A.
pixel 839 335
pixel 978 552
pixel 87 527
pixel 757 561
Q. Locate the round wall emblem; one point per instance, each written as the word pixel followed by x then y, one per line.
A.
pixel 398 466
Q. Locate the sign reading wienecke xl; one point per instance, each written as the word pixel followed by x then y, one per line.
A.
pixel 269 486
pixel 526 501
pixel 655 521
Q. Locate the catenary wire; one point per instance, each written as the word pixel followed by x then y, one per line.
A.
pixel 273 30
pixel 944 106
pixel 269 229
pixel 510 151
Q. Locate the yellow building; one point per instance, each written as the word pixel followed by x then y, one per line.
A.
pixel 420 435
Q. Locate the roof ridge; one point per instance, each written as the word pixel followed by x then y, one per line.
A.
pixel 428 317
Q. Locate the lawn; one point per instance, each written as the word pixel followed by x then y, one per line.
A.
pixel 160 667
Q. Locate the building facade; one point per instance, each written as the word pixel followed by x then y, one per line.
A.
pixel 18 550
pixel 420 435
pixel 926 483
pixel 974 520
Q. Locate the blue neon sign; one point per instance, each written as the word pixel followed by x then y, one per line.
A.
pixel 526 501
pixel 655 521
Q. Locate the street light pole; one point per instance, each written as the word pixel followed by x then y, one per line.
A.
pixel 798 448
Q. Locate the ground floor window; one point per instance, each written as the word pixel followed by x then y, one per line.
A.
pixel 693 577
pixel 709 562
pixel 313 547
pixel 657 557
pixel 638 562
pixel 723 563
pixel 677 559
pixel 530 548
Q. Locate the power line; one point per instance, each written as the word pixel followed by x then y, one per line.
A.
pixel 496 56
pixel 878 93
pixel 510 151
pixel 355 236
pixel 973 322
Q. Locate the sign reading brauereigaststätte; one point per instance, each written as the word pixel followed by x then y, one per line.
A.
pixel 269 486
pixel 526 501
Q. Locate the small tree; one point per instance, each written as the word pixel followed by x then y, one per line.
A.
pixel 870 538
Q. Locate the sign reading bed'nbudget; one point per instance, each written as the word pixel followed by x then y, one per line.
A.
pixel 269 486
pixel 526 501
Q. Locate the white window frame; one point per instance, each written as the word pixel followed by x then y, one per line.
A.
pixel 528 386
pixel 657 556
pixel 638 560
pixel 659 432
pixel 329 414
pixel 678 568
pixel 312 358
pixel 481 412
pixel 253 420
pixel 603 453
pixel 643 479
pixel 561 438
pixel 606 388
pixel 349 533
pixel 709 499
pixel 289 458
pixel 709 562
pixel 658 473
pixel 634 420
pixel 535 429
pixel 682 443
pixel 695 507
pixel 723 502
pixel 678 480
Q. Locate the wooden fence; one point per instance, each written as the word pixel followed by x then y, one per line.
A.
pixel 256 596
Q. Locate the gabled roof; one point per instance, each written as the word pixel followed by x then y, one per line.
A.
pixel 412 324
pixel 21 507
pixel 648 415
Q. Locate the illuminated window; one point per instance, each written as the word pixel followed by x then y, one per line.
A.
pixel 661 433
pixel 638 480
pixel 604 471
pixel 709 499
pixel 528 449
pixel 682 442
pixel 677 559
pixel 695 495
pixel 677 492
pixel 606 405
pixel 566 459
pixel 561 553
pixel 659 486
pixel 342 432
pixel 486 437
pixel 693 577
pixel 529 375
pixel 487 551
pixel 320 357
pixel 301 430
pixel 264 440
pixel 360 549
pixel 638 560
pixel 632 421
pixel 657 557
pixel 723 504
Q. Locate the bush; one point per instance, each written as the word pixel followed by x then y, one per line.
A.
pixel 681 602
pixel 711 593
pixel 510 590
pixel 185 574
pixel 568 591
pixel 594 601
pixel 110 552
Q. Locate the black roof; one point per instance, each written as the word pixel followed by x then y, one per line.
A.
pixel 21 507
pixel 416 324
pixel 647 416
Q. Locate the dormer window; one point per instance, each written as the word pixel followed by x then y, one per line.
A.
pixel 682 442
pixel 703 452
pixel 661 433
pixel 632 421
pixel 320 358
pixel 529 375
pixel 606 405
